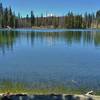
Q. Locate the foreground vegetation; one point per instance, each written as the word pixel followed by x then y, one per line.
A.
pixel 19 87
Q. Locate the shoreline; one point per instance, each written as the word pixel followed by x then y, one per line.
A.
pixel 26 96
pixel 50 28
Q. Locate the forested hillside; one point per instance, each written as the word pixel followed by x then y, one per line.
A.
pixel 70 20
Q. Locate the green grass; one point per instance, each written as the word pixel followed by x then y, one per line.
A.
pixel 19 87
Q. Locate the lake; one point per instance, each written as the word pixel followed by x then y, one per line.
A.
pixel 70 58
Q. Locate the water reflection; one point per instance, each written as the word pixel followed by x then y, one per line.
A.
pixel 9 38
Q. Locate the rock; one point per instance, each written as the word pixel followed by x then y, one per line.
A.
pixel 89 93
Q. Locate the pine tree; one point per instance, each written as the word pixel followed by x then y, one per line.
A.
pixel 10 18
pixel 16 22
pixel 19 20
pixel 41 20
pixel 12 22
pixel 27 21
pixel 1 14
pixel 32 19
pixel 27 17
pixel 98 17
pixel 5 17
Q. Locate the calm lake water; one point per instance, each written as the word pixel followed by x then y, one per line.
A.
pixel 52 57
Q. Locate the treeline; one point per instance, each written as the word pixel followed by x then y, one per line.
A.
pixel 70 20
pixel 7 17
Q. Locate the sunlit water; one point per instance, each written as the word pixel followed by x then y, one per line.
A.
pixel 53 57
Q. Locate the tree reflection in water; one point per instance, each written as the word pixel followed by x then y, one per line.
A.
pixel 9 38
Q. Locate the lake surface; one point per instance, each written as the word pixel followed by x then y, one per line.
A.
pixel 52 57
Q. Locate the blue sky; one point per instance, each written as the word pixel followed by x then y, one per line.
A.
pixel 58 7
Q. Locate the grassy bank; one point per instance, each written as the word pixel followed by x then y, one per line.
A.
pixel 37 89
pixel 55 90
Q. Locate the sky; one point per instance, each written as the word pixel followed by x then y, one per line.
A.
pixel 56 7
